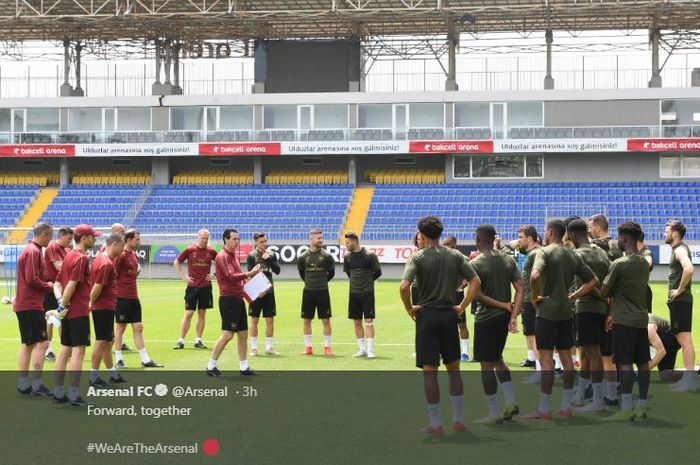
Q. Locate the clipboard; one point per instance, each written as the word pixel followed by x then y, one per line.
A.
pixel 256 286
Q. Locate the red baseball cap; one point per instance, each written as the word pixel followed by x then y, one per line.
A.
pixel 86 230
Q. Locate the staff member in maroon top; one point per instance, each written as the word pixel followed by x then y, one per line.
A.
pixel 103 302
pixel 128 303
pixel 28 305
pixel 72 289
pixel 53 258
pixel 198 295
pixel 231 306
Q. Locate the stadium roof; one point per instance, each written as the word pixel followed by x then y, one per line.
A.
pixel 22 20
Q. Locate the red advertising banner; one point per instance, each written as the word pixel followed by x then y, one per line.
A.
pixel 241 148
pixel 450 146
pixel 38 150
pixel 663 145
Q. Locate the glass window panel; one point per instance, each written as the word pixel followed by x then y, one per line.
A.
pixel 5 118
pixel 525 114
pixel 374 116
pixel 186 118
pixel 498 166
pixel 533 166
pixel 42 119
pixel 134 119
pixel 84 119
pixel 472 115
pixel 461 167
pixel 280 117
pixel 236 117
pixel 331 116
pixel 670 167
pixel 691 166
pixel 427 115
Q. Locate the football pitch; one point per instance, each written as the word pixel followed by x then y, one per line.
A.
pixel 163 306
pixel 319 410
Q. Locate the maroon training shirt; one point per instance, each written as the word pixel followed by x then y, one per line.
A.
pixel 76 267
pixel 127 265
pixel 31 286
pixel 198 263
pixel 103 272
pixel 229 274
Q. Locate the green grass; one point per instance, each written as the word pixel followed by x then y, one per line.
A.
pixel 163 309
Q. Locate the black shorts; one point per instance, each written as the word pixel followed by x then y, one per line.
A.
pixel 233 317
pixel 312 301
pixel 436 337
pixel 414 295
pixel 265 305
pixel 103 323
pixel 490 338
pixel 75 332
pixel 128 311
pixel 681 316
pixel 589 328
pixel 198 298
pixel 606 344
pixel 528 317
pixel 361 305
pixel 32 326
pixel 630 345
pixel 50 302
pixel 672 347
pixel 554 334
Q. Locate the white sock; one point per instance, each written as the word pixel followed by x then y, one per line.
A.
pixel 243 364
pixel 118 355
pixel 23 383
pixel 457 409
pixel 36 384
pixel 531 355
pixel 538 365
pixel 370 343
pixel 112 372
pixel 508 392
pixel 73 393
pixel 144 356
pixel 253 343
pixel 641 402
pixel 58 391
pixel 181 341
pixel 583 384
pixel 307 340
pixel 48 348
pixel 197 339
pixel 212 364
pixel 327 341
pixel 465 346
pixel 94 374
pixel 598 394
pixel 494 409
pixel 688 376
pixel 545 400
pixel 557 361
pixel 626 404
pixel 612 390
pixel 434 415
pixel 268 343
pixel 566 400
pixel 361 344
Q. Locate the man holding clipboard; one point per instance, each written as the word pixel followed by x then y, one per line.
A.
pixel 231 306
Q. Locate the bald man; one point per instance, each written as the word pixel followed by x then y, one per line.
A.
pixel 198 295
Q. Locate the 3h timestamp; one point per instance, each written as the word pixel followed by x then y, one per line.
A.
pixel 246 391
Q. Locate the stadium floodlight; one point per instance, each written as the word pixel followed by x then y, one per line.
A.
pixel 467 18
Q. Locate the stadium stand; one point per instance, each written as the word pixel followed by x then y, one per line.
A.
pixel 99 205
pixel 307 177
pixel 395 208
pixel 29 178
pixel 15 200
pixel 112 177
pixel 285 212
pixel 405 176
pixel 214 177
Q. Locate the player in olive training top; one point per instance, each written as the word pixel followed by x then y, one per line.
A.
pixel 435 313
pixel 316 268
pixel 267 259
pixel 552 276
pixel 591 311
pixel 362 267
pixel 626 283
pixel 528 244
pixel 680 301
pixel 665 346
pixel 495 315
pixel 451 242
